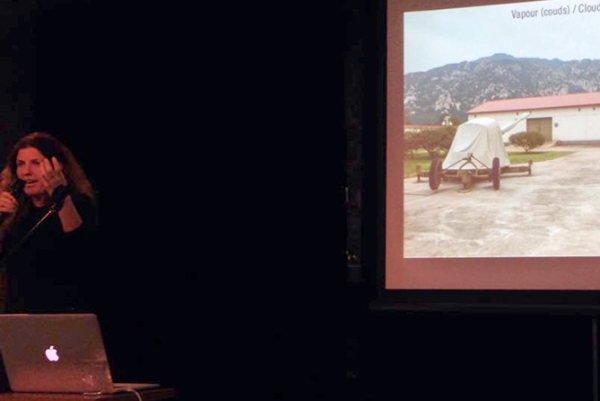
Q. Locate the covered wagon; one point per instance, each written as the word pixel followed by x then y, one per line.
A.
pixel 477 153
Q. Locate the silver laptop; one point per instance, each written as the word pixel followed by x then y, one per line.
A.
pixel 57 353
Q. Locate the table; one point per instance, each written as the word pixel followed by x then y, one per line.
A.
pixel 154 394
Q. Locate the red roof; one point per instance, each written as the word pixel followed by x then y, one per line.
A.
pixel 536 103
pixel 422 126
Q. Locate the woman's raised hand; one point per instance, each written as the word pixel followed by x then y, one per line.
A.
pixel 52 175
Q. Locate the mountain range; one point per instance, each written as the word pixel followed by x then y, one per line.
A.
pixel 454 89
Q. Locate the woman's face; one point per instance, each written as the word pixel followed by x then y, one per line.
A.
pixel 29 170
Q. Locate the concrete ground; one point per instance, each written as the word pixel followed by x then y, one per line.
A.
pixel 553 212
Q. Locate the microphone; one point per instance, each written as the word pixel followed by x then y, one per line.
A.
pixel 16 189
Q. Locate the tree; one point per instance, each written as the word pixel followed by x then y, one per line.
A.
pixel 527 140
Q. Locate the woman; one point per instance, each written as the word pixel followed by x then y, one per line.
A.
pixel 46 228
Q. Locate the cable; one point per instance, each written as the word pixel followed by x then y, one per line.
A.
pixel 131 390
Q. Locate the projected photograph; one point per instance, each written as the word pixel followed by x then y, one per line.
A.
pixel 501 136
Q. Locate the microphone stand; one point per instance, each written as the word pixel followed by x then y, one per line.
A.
pixel 53 210
pixel 45 217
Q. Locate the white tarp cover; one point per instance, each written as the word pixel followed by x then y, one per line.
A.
pixel 483 138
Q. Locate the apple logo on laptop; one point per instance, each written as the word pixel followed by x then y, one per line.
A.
pixel 52 354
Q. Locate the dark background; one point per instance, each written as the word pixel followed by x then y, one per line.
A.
pixel 185 285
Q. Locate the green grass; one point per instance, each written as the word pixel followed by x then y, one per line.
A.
pixel 422 159
pixel 522 157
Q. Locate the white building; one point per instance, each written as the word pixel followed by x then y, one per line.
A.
pixel 564 119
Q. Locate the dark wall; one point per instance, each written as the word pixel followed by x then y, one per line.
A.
pixel 17 68
pixel 475 357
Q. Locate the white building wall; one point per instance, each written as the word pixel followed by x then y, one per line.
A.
pixel 577 124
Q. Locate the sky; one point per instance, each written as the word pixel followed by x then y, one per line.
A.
pixel 436 38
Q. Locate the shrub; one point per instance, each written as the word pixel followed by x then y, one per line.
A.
pixel 527 140
pixel 450 133
pixel 437 140
pixel 412 143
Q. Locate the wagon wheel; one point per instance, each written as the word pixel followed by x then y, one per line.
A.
pixel 435 173
pixel 496 173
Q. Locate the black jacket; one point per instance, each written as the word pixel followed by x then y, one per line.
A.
pixel 48 271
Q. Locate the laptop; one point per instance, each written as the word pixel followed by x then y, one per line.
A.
pixel 57 353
